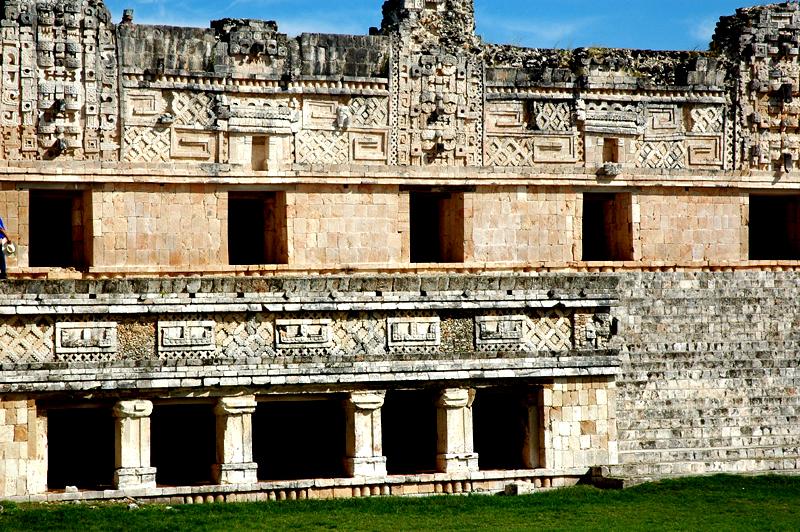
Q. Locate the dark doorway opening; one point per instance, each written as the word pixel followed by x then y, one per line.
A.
pixel 183 444
pixel 57 238
pixel 437 227
pixel 294 440
pixel 80 448
pixel 257 228
pixel 408 422
pixel 607 227
pixel 774 228
pixel 501 432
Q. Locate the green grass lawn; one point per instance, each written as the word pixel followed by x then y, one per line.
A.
pixel 712 503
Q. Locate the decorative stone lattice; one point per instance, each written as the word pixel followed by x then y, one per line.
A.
pixel 360 335
pixel 542 331
pixel 706 119
pixel 193 109
pixel 26 341
pixel 147 145
pixel 245 336
pixel 322 147
pixel 664 154
pixel 509 151
pixel 369 111
pixel 552 116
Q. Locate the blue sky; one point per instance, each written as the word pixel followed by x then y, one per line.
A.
pixel 655 24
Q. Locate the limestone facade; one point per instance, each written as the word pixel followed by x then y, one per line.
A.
pixel 409 262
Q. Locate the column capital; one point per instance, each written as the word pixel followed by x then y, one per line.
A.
pixel 137 408
pixel 367 400
pixel 457 398
pixel 236 406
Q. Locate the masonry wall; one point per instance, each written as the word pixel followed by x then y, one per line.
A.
pixel 336 226
pixel 692 226
pixel 521 224
pixel 710 373
pixel 23 447
pixel 151 225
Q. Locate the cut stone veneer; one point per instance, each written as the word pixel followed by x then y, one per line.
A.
pixel 23 447
pixel 235 441
pixel 456 451
pixel 364 435
pixel 132 445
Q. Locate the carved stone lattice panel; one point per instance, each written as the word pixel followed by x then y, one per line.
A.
pixel 322 147
pixel 245 336
pixel 552 116
pixel 186 339
pixel 509 151
pixel 25 342
pixel 414 334
pixel 437 116
pixel 192 109
pixel 369 111
pixel 664 154
pixel 362 334
pixel 706 118
pixel 550 330
pixel 146 145
pixel 86 342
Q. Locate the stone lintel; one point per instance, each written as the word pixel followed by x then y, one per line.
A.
pixel 133 409
pixel 236 406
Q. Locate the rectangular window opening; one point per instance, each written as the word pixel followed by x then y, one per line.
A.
pixel 257 229
pixel 409 427
pixel 607 227
pixel 506 429
pixel 58 227
pixel 774 227
pixel 183 444
pixel 437 227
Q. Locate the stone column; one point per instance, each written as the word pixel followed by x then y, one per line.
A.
pixel 132 445
pixel 533 432
pixel 364 436
pixel 456 452
pixel 235 441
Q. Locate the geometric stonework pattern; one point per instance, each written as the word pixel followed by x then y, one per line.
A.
pixel 552 116
pixel 146 145
pixel 369 112
pixel 186 339
pixel 550 330
pixel 665 154
pixel 706 119
pixel 322 147
pixel 242 336
pixel 360 334
pixel 193 109
pixel 86 342
pixel 26 342
pixel 509 151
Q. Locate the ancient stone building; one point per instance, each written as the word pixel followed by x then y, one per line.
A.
pixel 253 266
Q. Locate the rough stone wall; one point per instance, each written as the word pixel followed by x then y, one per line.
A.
pixel 159 225
pixel 23 447
pixel 691 226
pixel 709 381
pixel 332 225
pixel 522 225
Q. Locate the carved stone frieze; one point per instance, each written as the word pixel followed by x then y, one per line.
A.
pixel 414 333
pixel 186 339
pixel 86 342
